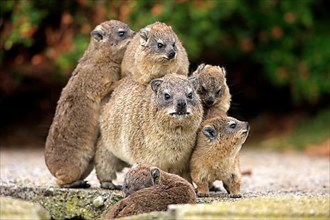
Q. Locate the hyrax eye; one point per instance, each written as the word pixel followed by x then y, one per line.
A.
pixel 121 33
pixel 218 93
pixel 190 95
pixel 160 45
pixel 232 126
pixel 167 96
pixel 204 90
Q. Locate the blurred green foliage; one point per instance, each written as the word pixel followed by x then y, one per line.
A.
pixel 288 39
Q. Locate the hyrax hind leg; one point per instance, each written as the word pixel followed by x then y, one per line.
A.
pixel 106 166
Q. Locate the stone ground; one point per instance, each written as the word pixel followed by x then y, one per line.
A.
pixel 24 175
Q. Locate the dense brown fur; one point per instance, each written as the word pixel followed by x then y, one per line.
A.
pixel 70 145
pixel 145 60
pixel 139 125
pixel 148 189
pixel 213 90
pixel 216 154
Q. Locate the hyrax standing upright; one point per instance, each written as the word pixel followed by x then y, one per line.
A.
pixel 213 90
pixel 154 124
pixel 154 52
pixel 70 145
pixel 150 189
pixel 215 156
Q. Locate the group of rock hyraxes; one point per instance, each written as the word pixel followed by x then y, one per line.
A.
pixel 130 100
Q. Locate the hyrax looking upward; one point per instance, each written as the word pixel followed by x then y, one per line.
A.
pixel 213 90
pixel 216 154
pixel 150 189
pixel 70 145
pixel 154 52
pixel 154 124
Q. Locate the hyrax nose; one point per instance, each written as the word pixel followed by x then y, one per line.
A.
pixel 181 104
pixel 171 54
pixel 209 101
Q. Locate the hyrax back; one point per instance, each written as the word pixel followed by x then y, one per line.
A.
pixel 213 90
pixel 70 145
pixel 148 189
pixel 215 156
pixel 154 124
pixel 154 52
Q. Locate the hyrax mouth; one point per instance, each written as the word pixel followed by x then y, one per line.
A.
pixel 179 113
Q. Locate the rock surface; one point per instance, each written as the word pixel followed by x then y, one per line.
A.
pixel 274 178
pixel 18 209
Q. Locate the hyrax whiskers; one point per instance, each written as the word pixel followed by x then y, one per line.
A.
pixel 148 189
pixel 213 90
pixel 154 124
pixel 215 156
pixel 154 52
pixel 70 145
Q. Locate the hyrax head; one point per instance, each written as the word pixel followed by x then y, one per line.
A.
pixel 158 41
pixel 111 38
pixel 175 95
pixel 140 176
pixel 226 132
pixel 212 83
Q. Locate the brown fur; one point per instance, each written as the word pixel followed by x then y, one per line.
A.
pixel 216 154
pixel 145 61
pixel 70 145
pixel 139 125
pixel 213 90
pixel 150 189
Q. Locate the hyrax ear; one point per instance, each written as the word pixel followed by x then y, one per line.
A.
pixel 200 68
pixel 210 132
pixel 155 84
pixel 97 35
pixel 144 34
pixel 194 82
pixel 155 175
pixel 223 70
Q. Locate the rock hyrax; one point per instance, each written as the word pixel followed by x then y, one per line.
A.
pixel 154 52
pixel 148 189
pixel 70 145
pixel 213 90
pixel 154 124
pixel 216 154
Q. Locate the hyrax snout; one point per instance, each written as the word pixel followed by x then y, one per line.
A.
pixel 215 156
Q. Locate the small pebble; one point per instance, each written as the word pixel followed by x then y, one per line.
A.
pixel 98 202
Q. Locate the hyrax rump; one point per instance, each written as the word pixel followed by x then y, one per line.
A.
pixel 154 124
pixel 215 156
pixel 154 52
pixel 148 189
pixel 213 90
pixel 70 145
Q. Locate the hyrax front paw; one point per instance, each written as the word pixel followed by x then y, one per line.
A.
pixel 77 184
pixel 235 196
pixel 110 185
pixel 202 194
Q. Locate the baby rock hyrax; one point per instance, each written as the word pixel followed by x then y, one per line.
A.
pixel 148 189
pixel 154 52
pixel 216 154
pixel 70 145
pixel 154 124
pixel 213 90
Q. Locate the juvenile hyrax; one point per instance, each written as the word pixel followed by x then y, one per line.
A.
pixel 70 145
pixel 154 52
pixel 154 124
pixel 213 90
pixel 216 154
pixel 148 189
